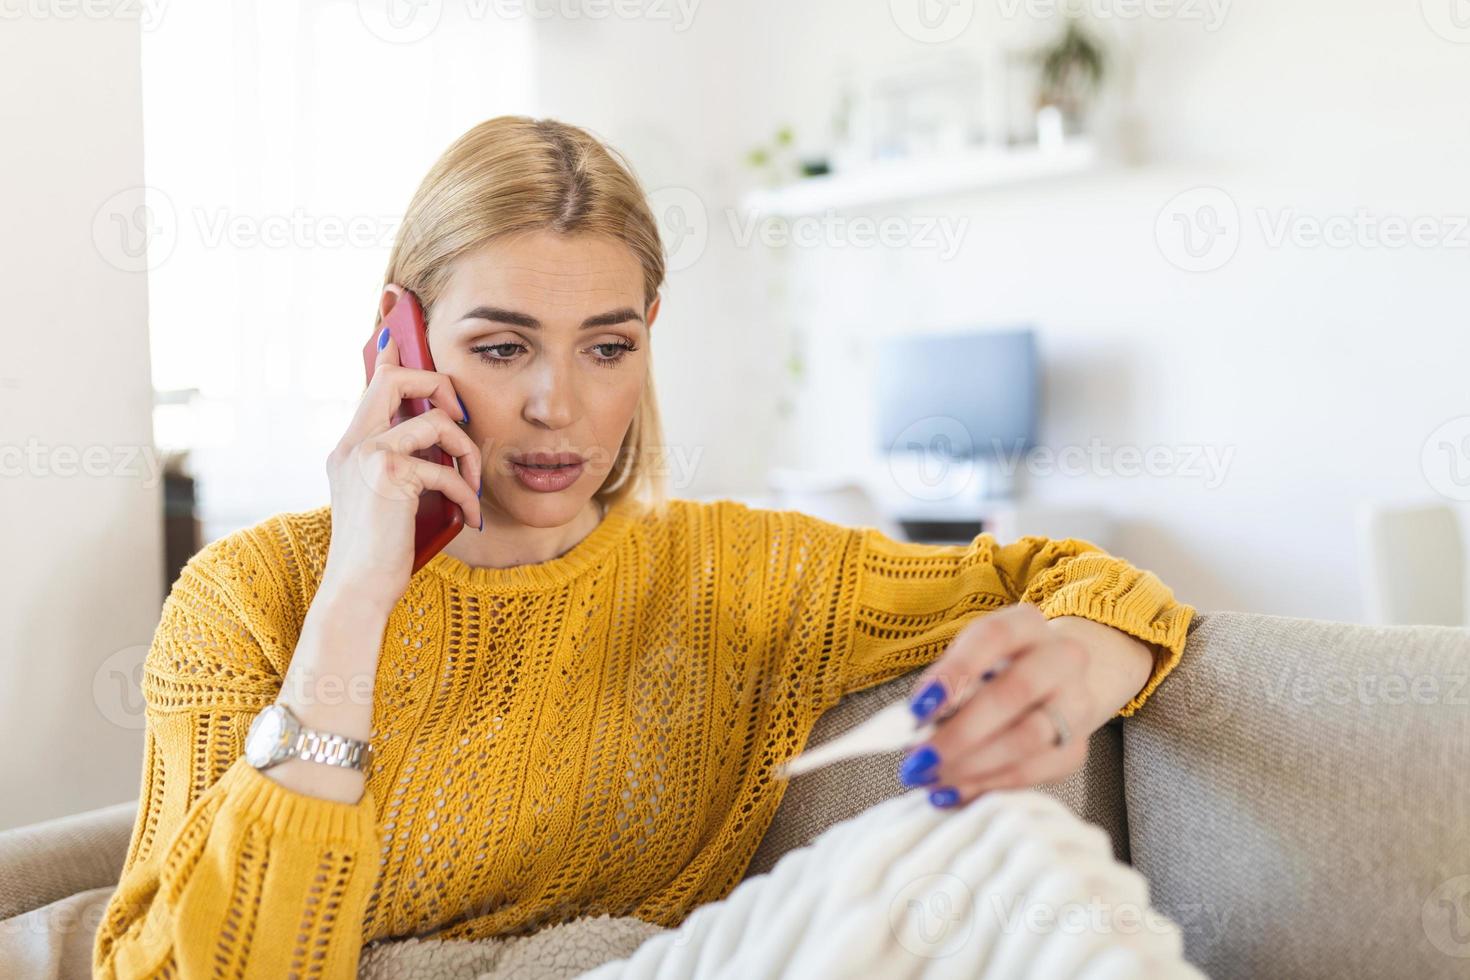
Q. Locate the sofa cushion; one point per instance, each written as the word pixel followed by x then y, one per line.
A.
pixel 53 859
pixel 1297 798
pixel 816 800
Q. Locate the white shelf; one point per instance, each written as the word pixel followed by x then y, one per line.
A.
pixel 902 180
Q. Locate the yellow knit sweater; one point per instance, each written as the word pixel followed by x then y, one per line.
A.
pixel 591 734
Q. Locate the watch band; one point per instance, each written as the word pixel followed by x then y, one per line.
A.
pixel 334 750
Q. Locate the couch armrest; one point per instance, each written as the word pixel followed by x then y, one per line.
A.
pixel 43 862
pixel 1297 798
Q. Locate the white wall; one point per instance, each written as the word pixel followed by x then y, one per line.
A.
pixel 1319 372
pixel 80 585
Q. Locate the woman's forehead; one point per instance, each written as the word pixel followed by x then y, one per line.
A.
pixel 568 271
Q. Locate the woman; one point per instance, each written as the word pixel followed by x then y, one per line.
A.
pixel 574 708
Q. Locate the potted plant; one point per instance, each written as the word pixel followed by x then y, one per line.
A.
pixel 1072 70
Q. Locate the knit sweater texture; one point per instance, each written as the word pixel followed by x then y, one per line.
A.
pixel 591 734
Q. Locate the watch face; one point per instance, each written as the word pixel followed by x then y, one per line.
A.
pixel 267 733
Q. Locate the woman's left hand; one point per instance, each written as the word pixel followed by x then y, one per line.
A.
pixel 1047 686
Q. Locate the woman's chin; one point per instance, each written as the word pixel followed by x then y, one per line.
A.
pixel 540 509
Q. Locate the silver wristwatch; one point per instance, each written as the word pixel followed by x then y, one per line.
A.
pixel 276 734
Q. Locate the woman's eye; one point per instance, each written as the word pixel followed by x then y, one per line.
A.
pixel 609 354
pixel 620 351
pixel 483 350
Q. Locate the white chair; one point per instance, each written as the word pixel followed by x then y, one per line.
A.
pixel 1413 561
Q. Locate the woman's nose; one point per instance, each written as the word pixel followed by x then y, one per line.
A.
pixel 553 400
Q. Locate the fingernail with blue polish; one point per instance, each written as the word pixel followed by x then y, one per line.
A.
pixel 927 700
pixel 462 410
pixel 948 796
pixel 382 338
pixel 917 769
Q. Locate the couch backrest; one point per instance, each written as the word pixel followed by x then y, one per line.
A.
pixel 1299 798
pixel 817 800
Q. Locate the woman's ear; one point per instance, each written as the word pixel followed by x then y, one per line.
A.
pixel 653 310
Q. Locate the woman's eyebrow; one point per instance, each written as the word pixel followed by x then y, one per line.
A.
pixel 497 315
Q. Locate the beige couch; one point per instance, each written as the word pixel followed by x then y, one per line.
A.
pixel 1297 794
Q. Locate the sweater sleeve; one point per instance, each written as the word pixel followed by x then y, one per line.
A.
pixel 908 600
pixel 227 871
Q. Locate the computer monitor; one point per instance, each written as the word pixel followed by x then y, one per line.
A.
pixel 962 396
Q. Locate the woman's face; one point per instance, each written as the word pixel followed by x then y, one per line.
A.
pixel 545 338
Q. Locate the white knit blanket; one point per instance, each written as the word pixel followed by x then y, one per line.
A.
pixel 1013 885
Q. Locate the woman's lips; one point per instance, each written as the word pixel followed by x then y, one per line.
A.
pixel 547 459
pixel 546 479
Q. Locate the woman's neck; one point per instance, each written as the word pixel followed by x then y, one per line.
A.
pixel 506 542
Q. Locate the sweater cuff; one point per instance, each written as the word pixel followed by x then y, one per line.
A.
pixel 1162 630
pixel 248 790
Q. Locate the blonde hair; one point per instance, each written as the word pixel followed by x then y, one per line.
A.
pixel 514 174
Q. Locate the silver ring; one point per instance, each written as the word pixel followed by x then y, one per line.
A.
pixel 1064 734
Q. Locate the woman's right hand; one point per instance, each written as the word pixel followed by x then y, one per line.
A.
pixel 376 480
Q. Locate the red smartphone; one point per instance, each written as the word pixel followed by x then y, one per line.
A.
pixel 439 519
